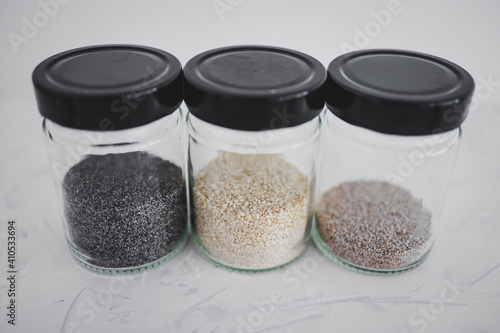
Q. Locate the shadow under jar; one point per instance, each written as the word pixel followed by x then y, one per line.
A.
pixel 389 142
pixel 113 132
pixel 253 130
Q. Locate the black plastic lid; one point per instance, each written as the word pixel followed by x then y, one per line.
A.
pixel 108 87
pixel 398 92
pixel 254 88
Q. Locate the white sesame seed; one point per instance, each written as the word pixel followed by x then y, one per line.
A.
pixel 256 221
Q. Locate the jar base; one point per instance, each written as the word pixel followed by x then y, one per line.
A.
pixel 82 259
pixel 325 249
pixel 205 253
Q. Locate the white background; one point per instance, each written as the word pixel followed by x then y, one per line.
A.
pixel 188 294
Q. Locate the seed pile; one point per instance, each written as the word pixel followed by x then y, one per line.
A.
pixel 251 210
pixel 374 225
pixel 124 210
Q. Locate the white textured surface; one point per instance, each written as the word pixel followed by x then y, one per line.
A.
pixel 189 294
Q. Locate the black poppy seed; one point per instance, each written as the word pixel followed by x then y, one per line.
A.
pixel 124 210
pixel 374 225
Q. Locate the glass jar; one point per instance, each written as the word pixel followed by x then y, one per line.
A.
pixel 114 136
pixel 253 129
pixel 389 143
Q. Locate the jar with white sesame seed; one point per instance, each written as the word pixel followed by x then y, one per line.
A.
pixel 388 147
pixel 253 130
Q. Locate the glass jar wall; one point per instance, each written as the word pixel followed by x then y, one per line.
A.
pixel 380 194
pixel 389 142
pixel 252 153
pixel 114 137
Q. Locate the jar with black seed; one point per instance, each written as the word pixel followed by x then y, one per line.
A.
pixel 389 142
pixel 114 137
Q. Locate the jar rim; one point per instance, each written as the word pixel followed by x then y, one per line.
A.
pixel 123 85
pixel 253 87
pixel 398 91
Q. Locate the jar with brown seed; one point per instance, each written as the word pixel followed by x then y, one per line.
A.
pixel 253 130
pixel 389 143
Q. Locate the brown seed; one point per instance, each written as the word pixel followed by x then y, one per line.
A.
pixel 374 225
